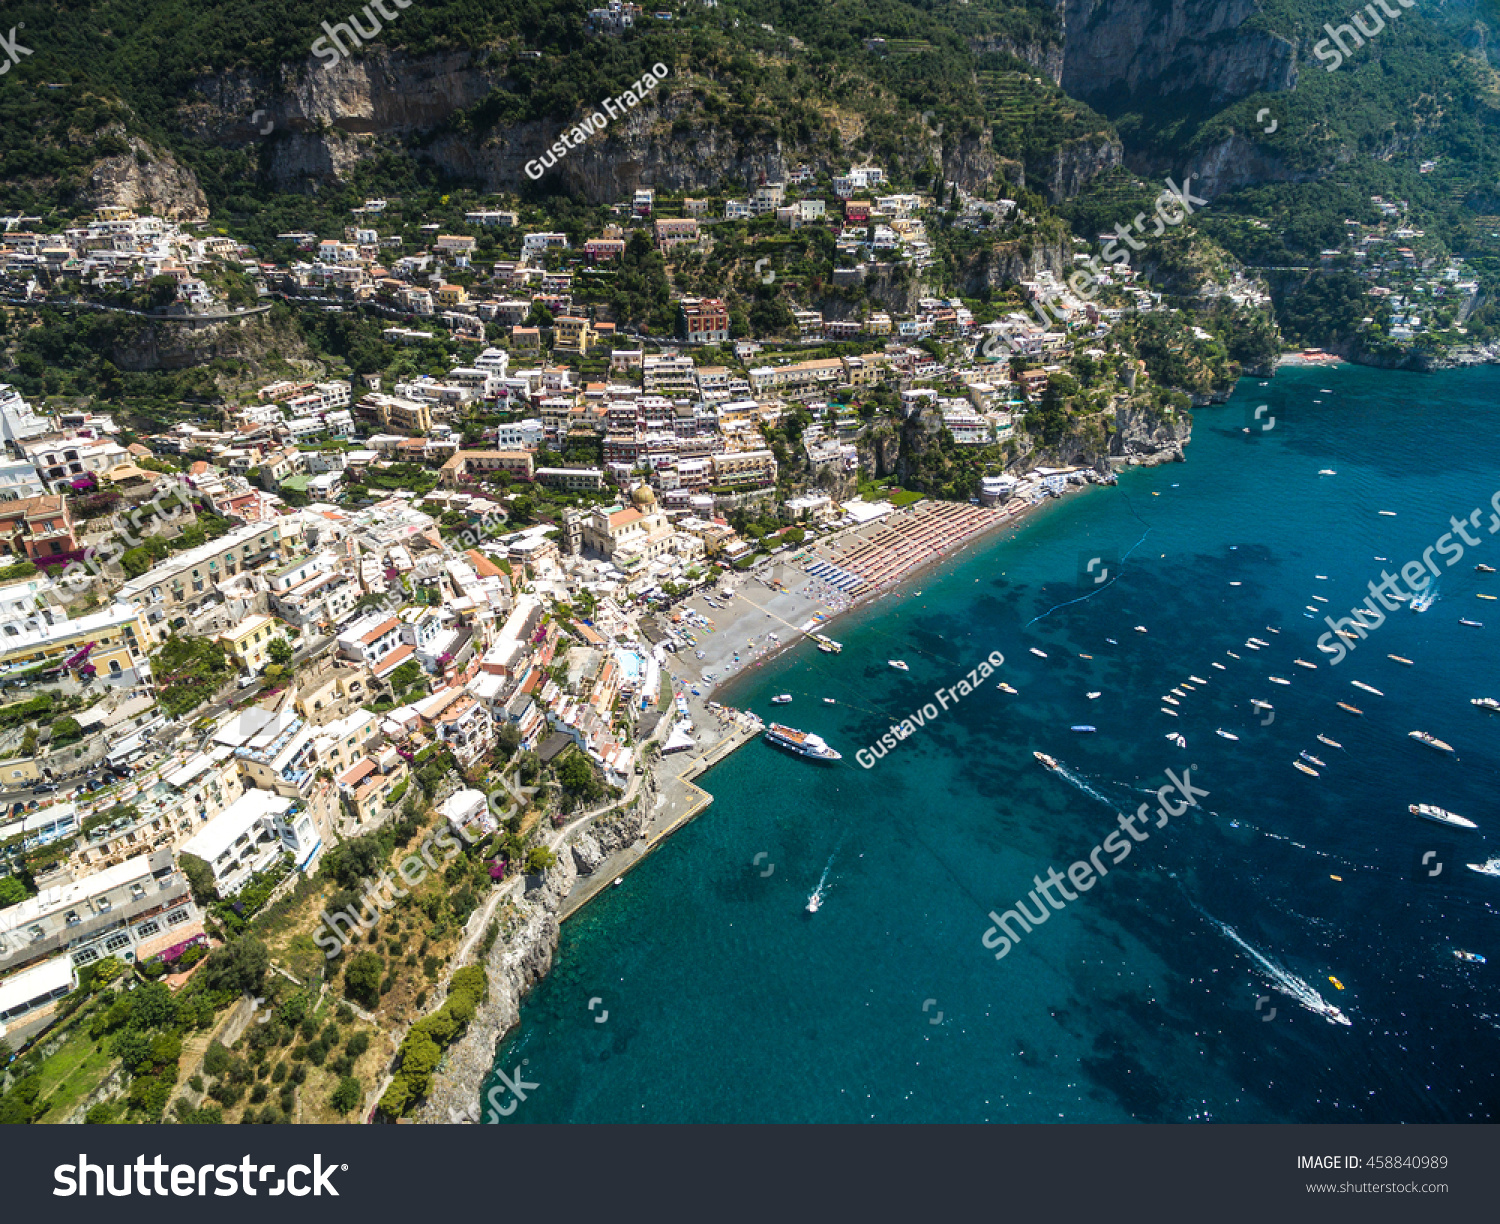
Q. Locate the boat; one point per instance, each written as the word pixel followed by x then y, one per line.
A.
pixel 1344 705
pixel 828 701
pixel 826 644
pixel 1346 635
pixel 1486 703
pixel 1261 705
pixel 1171 700
pixel 1277 680
pixel 1220 666
pixel 1005 688
pixel 898 664
pixel 1260 642
pixel 1312 760
pixel 1227 735
pixel 1236 584
pixel 1399 659
pixel 1190 688
pixel 1251 646
pixel 1432 741
pixel 619 880
pixel 1041 654
pixel 1337 985
pixel 1231 654
pixel 814 902
pixel 1177 739
pixel 1083 729
pixel 1388 514
pixel 1430 811
pixel 802 743
pixel 1092 696
pixel 1046 760
pixel 1140 628
pixel 1420 603
pixel 1310 772
pixel 1112 641
pixel 1177 692
pixel 1323 739
pixel 1090 658
pixel 1472 957
pixel 1484 569
pixel 1320 598
pixel 1471 624
pixel 1173 713
pixel 1327 472
pixel 1482 595
pixel 782 699
pixel 1360 684
pixel 1306 664
pixel 1310 609
pixel 1489 868
pixel 1197 679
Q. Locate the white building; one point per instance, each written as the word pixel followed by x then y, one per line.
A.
pixel 248 836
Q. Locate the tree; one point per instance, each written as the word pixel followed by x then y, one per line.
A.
pixel 200 877
pixel 239 966
pixel 539 859
pixel 362 978
pixel 279 650
pixel 508 740
pixel 11 891
pixel 348 1095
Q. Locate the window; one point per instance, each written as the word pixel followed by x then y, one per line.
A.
pixel 176 917
pixel 147 929
pixel 117 941
pixel 84 955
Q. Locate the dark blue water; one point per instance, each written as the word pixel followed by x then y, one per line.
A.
pixel 727 1001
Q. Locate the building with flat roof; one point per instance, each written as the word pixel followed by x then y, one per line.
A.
pixel 248 836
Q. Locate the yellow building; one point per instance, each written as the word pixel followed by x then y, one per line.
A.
pixel 114 642
pixel 452 295
pixel 250 640
pixel 572 335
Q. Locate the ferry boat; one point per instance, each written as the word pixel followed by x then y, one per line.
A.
pixel 782 699
pixel 1312 773
pixel 803 743
pixel 1432 741
pixel 1227 735
pixel 898 664
pixel 826 644
pixel 1472 957
pixel 1399 659
pixel 1360 684
pixel 1323 739
pixel 1420 603
pixel 1041 654
pixel 1486 703
pixel 1485 569
pixel 1046 760
pixel 1344 705
pixel 1430 811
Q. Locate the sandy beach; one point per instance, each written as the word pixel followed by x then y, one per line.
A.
pixel 779 596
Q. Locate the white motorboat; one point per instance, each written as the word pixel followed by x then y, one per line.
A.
pixel 1227 735
pixel 1430 811
pixel 898 664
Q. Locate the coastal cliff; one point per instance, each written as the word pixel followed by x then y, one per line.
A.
pixel 520 957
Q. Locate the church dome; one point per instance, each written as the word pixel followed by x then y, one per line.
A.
pixel 643 496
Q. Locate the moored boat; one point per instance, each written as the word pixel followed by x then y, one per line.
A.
pixel 898 664
pixel 1471 624
pixel 1305 663
pixel 1005 688
pixel 1226 734
pixel 1344 705
pixel 1485 569
pixel 1312 773
pixel 1312 760
pixel 1041 654
pixel 1399 659
pixel 1472 957
pixel 1486 703
pixel 1323 739
pixel 782 699
pixel 1360 684
pixel 1083 728
pixel 802 743
pixel 1432 741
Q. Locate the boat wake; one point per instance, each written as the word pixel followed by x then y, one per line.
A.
pixel 815 900
pixel 1286 982
pixel 1063 771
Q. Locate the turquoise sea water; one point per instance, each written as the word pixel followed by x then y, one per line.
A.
pixel 727 1001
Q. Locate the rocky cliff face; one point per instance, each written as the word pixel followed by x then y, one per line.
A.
pixel 146 345
pixel 1176 46
pixel 519 959
pixel 1142 434
pixel 146 180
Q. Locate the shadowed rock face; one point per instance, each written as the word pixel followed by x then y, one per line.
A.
pixel 1169 47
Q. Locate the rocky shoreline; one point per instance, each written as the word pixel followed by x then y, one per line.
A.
pixel 520 957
